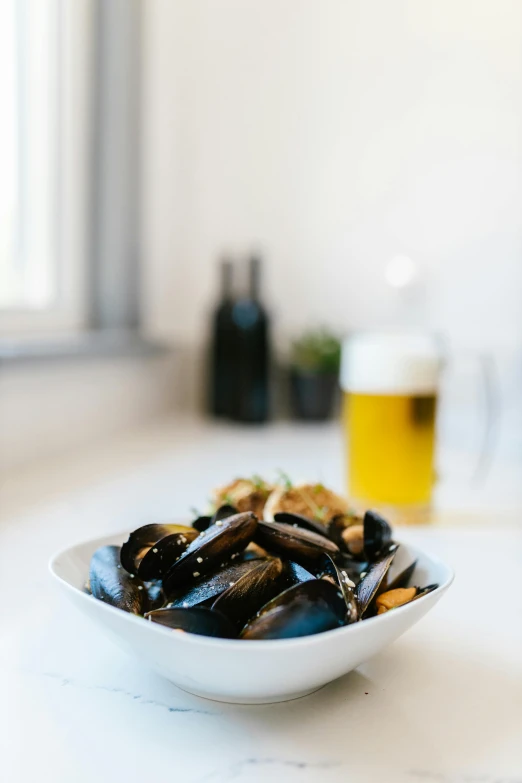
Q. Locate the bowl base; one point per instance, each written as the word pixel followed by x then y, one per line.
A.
pixel 251 699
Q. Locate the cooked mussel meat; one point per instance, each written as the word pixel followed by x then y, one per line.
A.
pixel 224 540
pixel 363 539
pixel 111 583
pixel 197 619
pixel 305 609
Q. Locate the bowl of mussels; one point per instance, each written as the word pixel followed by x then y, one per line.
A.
pixel 276 592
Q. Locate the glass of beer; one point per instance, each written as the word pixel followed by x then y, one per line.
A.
pixel 390 384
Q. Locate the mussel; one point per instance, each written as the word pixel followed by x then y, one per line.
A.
pixel 339 576
pixel 363 540
pixel 152 549
pixel 294 574
pixel 401 580
pixel 305 609
pixel 371 581
pixel 225 539
pixel 209 587
pixel 200 620
pixel 299 520
pixel 111 583
pixel 204 522
pixel 303 546
pixel 252 591
pixel 155 592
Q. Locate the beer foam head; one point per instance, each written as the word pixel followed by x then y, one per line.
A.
pixel 390 363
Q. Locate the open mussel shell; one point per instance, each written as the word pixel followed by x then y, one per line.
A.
pixel 209 587
pixel 363 539
pixel 202 523
pixel 252 591
pixel 340 577
pixel 305 609
pixel 421 591
pixel 377 535
pixel 111 583
pixel 223 512
pixel 293 543
pixel 147 549
pixel 401 580
pixel 299 520
pixel 371 581
pixel 199 620
pixel 222 541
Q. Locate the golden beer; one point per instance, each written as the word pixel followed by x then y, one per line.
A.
pixel 391 441
pixel 389 386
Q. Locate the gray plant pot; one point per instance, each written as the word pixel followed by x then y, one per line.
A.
pixel 312 394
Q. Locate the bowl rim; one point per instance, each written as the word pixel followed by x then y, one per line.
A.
pixel 251 644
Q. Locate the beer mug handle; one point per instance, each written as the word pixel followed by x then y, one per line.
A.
pixel 490 393
pixel 487 386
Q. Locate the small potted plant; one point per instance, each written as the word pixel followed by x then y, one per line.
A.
pixel 314 373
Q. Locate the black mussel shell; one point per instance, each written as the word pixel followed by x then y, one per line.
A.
pixel 110 582
pixel 421 591
pixel 144 540
pixel 223 540
pixel 377 535
pixel 340 577
pixel 401 580
pixel 164 554
pixel 252 591
pixel 207 589
pixel 299 520
pixel 199 620
pixel 222 513
pixel 367 588
pixel 372 535
pixel 202 523
pixel 294 574
pixel 305 609
pixel 302 546
pixel 155 593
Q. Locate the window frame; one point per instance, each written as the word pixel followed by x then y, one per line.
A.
pixel 97 226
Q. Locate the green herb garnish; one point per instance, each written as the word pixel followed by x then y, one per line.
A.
pixel 284 479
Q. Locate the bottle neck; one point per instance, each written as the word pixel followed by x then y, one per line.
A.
pixel 254 279
pixel 226 281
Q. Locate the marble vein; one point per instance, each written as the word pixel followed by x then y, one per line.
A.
pixel 239 768
pixel 137 697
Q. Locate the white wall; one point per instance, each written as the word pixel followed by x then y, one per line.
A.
pixel 335 134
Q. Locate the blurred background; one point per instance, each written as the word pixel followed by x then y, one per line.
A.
pixel 366 155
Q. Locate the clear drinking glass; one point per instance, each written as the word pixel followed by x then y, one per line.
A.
pixel 390 384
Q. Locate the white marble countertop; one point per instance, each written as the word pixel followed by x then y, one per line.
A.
pixel 444 703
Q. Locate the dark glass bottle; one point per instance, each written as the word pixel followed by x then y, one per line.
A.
pixel 251 355
pixel 222 348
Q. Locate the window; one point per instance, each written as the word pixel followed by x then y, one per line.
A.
pixel 45 88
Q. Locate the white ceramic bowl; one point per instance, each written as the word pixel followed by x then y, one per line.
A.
pixel 248 672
